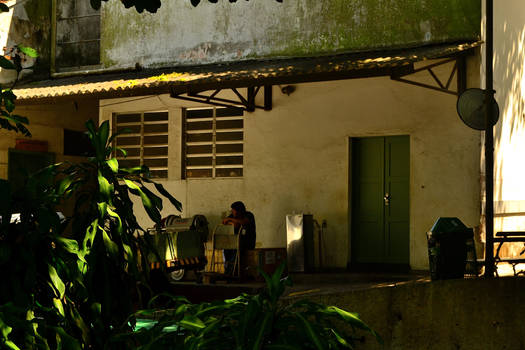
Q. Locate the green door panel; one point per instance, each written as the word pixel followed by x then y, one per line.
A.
pixel 397 177
pixel 368 203
pixel 380 227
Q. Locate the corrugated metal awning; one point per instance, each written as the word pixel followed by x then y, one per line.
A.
pixel 236 75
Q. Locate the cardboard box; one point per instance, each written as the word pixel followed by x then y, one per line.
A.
pixel 267 259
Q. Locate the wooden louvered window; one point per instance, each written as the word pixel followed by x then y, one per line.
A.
pixel 213 143
pixel 77 40
pixel 146 143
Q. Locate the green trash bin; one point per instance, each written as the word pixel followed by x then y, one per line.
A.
pixel 447 248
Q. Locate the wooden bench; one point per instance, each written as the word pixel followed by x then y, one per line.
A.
pixel 509 237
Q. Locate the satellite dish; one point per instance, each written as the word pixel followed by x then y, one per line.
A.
pixel 471 108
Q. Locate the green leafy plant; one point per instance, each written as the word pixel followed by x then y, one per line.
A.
pixel 255 322
pixel 72 283
pixel 13 61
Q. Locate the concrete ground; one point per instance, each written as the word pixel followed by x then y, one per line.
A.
pixel 328 283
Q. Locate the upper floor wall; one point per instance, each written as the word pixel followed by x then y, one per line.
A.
pixel 70 36
pixel 179 34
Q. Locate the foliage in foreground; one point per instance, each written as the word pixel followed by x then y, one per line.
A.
pixel 74 290
pixel 249 322
pixel 70 284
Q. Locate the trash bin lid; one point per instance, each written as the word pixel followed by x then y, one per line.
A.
pixel 446 225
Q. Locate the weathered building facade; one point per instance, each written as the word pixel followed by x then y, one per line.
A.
pixel 339 136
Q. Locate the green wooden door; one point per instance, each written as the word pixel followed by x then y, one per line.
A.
pixel 380 200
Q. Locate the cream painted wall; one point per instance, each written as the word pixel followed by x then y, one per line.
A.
pixel 297 159
pixel 46 123
pixel 509 136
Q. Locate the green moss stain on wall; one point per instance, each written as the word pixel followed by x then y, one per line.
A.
pixel 126 26
pixel 268 29
pixel 344 26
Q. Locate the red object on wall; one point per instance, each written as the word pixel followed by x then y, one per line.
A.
pixel 31 145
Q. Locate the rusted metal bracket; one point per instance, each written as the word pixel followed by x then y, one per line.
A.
pixel 247 101
pixel 459 70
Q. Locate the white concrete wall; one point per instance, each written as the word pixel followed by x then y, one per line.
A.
pixel 297 159
pixel 509 134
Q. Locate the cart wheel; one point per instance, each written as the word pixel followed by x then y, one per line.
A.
pixel 176 275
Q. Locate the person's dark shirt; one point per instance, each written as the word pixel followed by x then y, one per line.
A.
pixel 249 237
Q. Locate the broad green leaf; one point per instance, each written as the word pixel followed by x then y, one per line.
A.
pixel 59 306
pixel 67 342
pixel 102 209
pixel 5 63
pixel 340 339
pixel 96 308
pixel 19 119
pixel 90 125
pixel 277 285
pixel 259 340
pixel 352 318
pixel 121 150
pixel 29 51
pixel 128 251
pixel 79 321
pixel 192 323
pixel 116 216
pixel 307 327
pixel 4 328
pixel 105 188
pixel 56 281
pixel 91 231
pixel 9 105
pixel 103 134
pixel 93 136
pixel 71 246
pixel 113 164
pixel 111 247
pixel 138 170
pixel 11 345
pixel 64 185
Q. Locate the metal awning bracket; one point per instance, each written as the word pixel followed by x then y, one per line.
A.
pixel 247 102
pixel 458 70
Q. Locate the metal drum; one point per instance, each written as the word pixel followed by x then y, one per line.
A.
pixel 180 245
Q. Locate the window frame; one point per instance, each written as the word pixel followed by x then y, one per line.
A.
pixel 142 134
pixel 214 142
